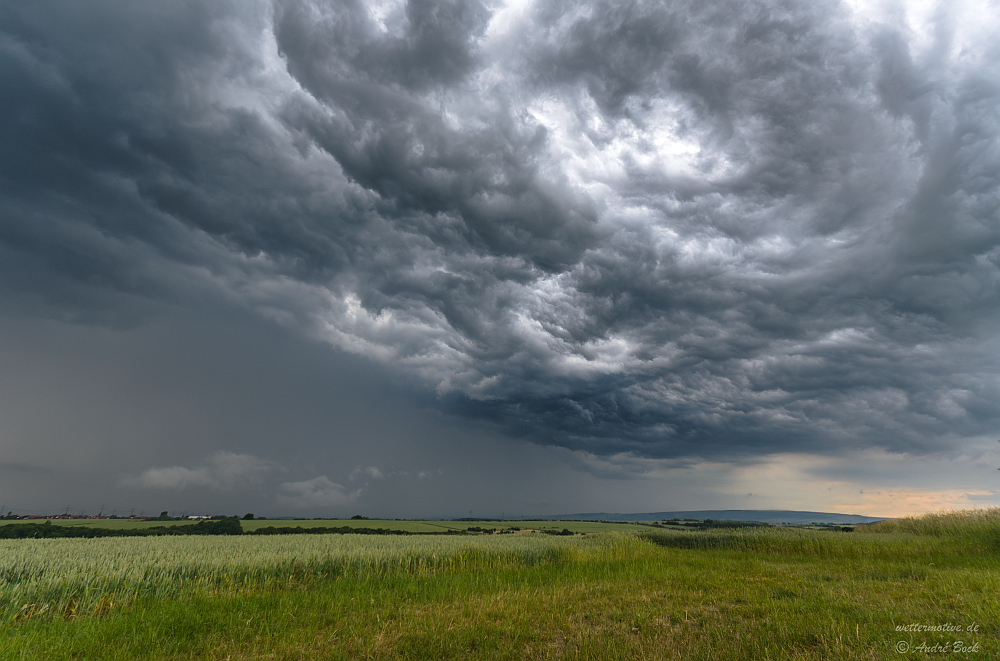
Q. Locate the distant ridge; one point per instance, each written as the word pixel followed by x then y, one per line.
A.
pixel 764 516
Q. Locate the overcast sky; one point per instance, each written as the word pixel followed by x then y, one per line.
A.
pixel 421 258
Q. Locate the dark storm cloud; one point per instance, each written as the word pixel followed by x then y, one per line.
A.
pixel 466 188
pixel 684 229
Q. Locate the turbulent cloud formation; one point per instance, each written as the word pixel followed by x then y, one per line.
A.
pixel 635 229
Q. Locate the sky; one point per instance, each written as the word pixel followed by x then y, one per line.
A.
pixel 433 259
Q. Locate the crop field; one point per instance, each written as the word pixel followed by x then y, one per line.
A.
pixel 921 588
pixel 407 525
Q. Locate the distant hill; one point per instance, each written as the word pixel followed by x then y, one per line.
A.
pixel 764 516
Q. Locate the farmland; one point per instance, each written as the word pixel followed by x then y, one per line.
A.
pixel 406 525
pixel 648 593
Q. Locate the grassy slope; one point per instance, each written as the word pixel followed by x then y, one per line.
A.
pixel 723 594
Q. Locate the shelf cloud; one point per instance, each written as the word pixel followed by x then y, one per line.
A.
pixel 663 231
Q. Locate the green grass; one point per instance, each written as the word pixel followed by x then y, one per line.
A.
pixel 445 526
pixel 975 522
pixel 415 526
pixel 117 524
pixel 744 594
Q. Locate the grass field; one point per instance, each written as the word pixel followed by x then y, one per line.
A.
pixel 891 590
pixel 407 525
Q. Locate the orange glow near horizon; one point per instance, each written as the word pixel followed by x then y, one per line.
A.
pixel 900 502
pixel 815 483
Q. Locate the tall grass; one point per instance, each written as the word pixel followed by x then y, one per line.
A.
pixel 724 594
pixel 91 576
pixel 957 533
pixel 974 532
pixel 954 522
pixel 805 543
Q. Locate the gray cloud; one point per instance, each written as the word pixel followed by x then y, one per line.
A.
pixel 319 492
pixel 684 230
pixel 221 470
